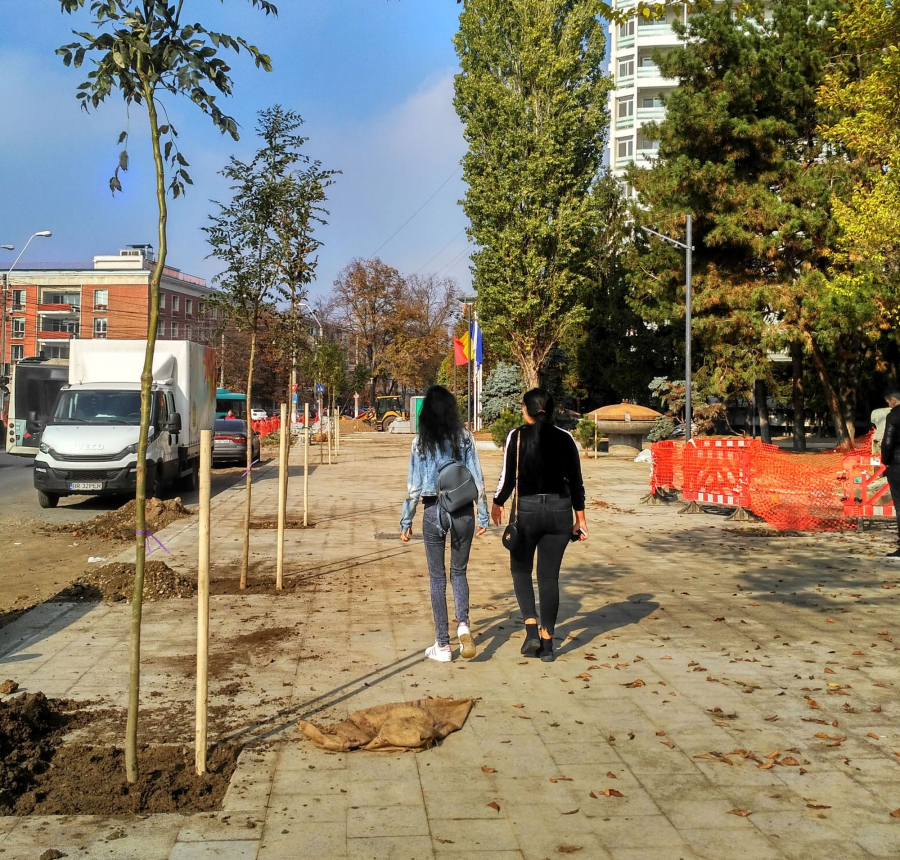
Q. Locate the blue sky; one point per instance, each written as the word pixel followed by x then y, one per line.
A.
pixel 373 79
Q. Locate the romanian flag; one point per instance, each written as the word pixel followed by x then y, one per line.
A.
pixel 460 349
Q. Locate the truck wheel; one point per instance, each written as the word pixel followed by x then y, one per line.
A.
pixel 386 423
pixel 191 481
pixel 47 500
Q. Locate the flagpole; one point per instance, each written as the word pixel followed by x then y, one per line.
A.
pixel 469 369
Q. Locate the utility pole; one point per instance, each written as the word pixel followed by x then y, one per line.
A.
pixel 688 248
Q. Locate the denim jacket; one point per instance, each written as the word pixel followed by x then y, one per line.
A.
pixel 422 480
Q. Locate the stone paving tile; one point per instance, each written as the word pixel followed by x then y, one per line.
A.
pixel 374 821
pixel 717 843
pixel 389 848
pixel 210 850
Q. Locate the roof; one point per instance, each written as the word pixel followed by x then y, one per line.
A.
pixel 623 412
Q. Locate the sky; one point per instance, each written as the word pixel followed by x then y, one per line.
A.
pixel 372 79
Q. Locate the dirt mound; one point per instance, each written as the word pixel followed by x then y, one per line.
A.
pixel 90 780
pixel 115 582
pixel 31 726
pixel 119 524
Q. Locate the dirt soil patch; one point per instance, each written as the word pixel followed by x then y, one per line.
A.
pixel 119 524
pixel 273 524
pixel 115 582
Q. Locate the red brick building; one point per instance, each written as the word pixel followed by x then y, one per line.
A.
pixel 49 305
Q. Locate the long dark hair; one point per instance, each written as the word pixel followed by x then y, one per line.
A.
pixel 539 405
pixel 439 423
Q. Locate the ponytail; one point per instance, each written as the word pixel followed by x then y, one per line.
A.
pixel 539 405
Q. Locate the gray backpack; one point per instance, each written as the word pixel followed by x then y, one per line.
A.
pixel 456 488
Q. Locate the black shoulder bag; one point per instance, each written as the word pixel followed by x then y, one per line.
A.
pixel 512 534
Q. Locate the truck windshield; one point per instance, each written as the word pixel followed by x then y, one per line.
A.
pixel 98 407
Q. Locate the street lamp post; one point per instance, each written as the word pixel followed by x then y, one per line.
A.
pixel 43 234
pixel 312 313
pixel 688 248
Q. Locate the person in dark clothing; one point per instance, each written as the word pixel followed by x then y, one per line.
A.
pixel 890 456
pixel 549 489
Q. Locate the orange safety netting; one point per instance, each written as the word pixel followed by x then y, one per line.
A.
pixel 810 492
pixel 266 426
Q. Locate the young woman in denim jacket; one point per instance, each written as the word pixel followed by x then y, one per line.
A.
pixel 442 439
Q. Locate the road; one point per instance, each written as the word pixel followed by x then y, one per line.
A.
pixel 18 497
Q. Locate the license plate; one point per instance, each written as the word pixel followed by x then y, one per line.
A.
pixel 86 485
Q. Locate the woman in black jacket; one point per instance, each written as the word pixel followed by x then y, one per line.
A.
pixel 549 489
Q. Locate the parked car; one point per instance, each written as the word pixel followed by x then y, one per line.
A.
pixel 230 441
pixel 258 414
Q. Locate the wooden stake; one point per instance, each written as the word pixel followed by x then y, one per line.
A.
pixel 329 437
pixel 203 603
pixel 595 438
pixel 337 431
pixel 305 464
pixel 282 498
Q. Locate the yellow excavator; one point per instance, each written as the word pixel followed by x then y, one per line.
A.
pixel 387 410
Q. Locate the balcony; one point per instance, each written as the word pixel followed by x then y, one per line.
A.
pixel 658 31
pixel 624 42
pixel 625 4
pixel 624 82
pixel 60 307
pixel 57 335
pixel 625 122
pixel 645 157
pixel 651 114
pixel 622 163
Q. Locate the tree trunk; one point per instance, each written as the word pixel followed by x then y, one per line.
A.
pixel 799 403
pixel 245 555
pixel 835 407
pixel 761 396
pixel 531 370
pixel 140 492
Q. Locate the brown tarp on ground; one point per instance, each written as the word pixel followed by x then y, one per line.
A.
pixel 399 726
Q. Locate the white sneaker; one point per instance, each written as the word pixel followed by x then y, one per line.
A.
pixel 466 642
pixel 442 654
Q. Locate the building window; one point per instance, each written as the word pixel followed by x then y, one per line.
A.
pixel 625 148
pixel 55 350
pixel 18 300
pixel 201 308
pixel 160 331
pixel 648 62
pixel 18 329
pixel 626 67
pixel 59 324
pixel 626 28
pixel 625 108
pixel 16 353
pixel 188 332
pixel 652 102
pixel 56 298
pixel 175 304
pixel 626 189
pixel 174 330
pixel 101 300
pixel 100 327
pixel 162 300
pixel 188 307
pixel 645 143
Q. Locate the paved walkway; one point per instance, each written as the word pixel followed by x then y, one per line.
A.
pixel 706 670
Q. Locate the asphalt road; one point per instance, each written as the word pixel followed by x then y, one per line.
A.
pixel 19 498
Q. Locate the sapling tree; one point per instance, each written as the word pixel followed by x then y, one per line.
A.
pixel 144 49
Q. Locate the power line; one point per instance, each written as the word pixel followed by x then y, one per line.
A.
pixel 459 167
pixel 454 261
pixel 438 254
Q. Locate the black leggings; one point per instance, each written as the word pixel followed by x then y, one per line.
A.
pixel 546 524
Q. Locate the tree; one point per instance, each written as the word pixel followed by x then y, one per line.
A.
pixel 502 390
pixel 422 338
pixel 533 99
pixel 367 296
pixel 739 150
pixel 142 49
pixel 243 237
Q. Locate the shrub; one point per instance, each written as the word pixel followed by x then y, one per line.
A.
pixel 662 429
pixel 509 419
pixel 502 390
pixel 584 433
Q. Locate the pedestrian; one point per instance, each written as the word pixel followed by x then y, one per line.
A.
pixel 542 467
pixel 442 441
pixel 890 456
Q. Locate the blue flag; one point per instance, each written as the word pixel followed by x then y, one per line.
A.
pixel 476 337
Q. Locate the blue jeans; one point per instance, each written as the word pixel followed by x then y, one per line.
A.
pixel 461 532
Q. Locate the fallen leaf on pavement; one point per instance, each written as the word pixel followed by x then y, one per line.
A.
pixel 518 706
pixel 568 849
pixel 669 744
pixel 494 805
pixel 895 813
pixel 570 812
pixel 872 735
pixel 486 769
pixel 790 761
pixel 813 704
pixel 611 775
pixel 817 806
pixel 772 718
pixel 742 812
pixel 636 683
pixel 445 841
pixel 613 792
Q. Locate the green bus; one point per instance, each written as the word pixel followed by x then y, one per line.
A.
pixel 230 401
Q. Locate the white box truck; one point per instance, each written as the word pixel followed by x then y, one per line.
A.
pixel 89 446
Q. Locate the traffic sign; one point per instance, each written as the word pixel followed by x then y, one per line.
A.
pixel 320 388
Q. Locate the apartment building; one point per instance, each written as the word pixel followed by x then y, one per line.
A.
pixel 640 89
pixel 48 305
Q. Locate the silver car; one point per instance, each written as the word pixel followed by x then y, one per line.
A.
pixel 230 441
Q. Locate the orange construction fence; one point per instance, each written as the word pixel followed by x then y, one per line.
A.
pixel 266 426
pixel 825 491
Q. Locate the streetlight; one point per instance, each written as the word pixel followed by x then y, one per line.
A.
pixel 688 261
pixel 305 304
pixel 45 234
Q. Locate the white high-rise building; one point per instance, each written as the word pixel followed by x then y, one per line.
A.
pixel 639 87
